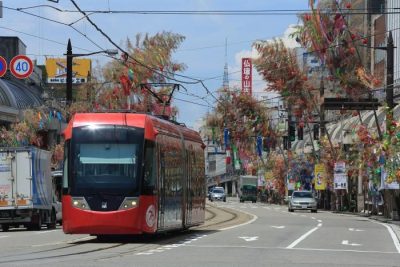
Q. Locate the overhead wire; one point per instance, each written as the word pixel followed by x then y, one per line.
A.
pixel 156 71
pixel 43 38
pixel 353 11
pixel 58 22
pixel 196 81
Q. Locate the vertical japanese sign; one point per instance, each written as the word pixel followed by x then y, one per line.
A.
pixel 340 175
pixel 319 177
pixel 246 76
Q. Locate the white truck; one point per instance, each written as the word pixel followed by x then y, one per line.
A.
pixel 27 194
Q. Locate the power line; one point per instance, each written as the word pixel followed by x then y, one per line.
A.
pixel 45 39
pixel 58 22
pixel 208 106
pixel 352 11
pixel 141 63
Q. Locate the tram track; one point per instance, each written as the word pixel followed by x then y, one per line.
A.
pixel 216 219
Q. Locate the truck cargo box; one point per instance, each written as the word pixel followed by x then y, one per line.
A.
pixel 26 191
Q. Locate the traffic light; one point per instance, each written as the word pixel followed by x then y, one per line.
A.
pixel 316 131
pixel 299 133
pixel 292 132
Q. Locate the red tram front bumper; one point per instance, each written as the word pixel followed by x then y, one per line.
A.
pixel 78 221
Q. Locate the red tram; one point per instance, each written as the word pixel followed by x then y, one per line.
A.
pixel 128 173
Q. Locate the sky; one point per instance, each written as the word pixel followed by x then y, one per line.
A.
pixel 203 50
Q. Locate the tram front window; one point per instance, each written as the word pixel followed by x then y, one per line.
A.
pixel 106 160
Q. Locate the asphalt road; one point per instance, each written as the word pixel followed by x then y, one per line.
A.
pixel 235 234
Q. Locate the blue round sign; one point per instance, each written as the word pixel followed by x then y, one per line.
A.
pixel 3 66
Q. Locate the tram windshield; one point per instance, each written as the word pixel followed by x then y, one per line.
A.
pixel 106 160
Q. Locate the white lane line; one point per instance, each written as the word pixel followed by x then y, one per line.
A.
pixel 49 244
pixel 313 218
pixel 319 225
pixel 45 232
pixel 301 238
pixel 3 236
pixel 393 236
pixel 345 250
pixel 278 227
pixel 283 248
pixel 319 221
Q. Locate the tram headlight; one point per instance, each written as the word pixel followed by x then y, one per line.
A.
pixel 80 203
pixel 128 203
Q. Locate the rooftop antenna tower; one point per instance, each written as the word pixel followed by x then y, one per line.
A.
pixel 225 83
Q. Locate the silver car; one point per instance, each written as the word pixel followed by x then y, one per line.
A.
pixel 302 200
pixel 218 193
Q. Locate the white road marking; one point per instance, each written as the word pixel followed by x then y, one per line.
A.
pixel 45 232
pixel 283 248
pixel 346 242
pixel 144 253
pixel 355 230
pixel 249 238
pixel 278 227
pixel 345 250
pixel 49 244
pixel 319 225
pixel 301 238
pixel 319 221
pixel 313 218
pixel 393 236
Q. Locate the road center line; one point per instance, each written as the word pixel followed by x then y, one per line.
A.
pixel 301 238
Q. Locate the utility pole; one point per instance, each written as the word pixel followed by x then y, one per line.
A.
pixel 322 108
pixel 69 73
pixel 389 72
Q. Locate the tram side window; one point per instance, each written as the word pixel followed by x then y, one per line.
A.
pixel 149 178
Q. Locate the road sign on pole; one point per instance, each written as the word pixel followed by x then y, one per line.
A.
pixel 21 66
pixel 3 66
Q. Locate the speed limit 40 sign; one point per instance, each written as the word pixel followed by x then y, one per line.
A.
pixel 21 66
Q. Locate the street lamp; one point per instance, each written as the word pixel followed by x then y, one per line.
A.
pixel 70 56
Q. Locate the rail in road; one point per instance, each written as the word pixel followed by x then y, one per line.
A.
pixel 100 249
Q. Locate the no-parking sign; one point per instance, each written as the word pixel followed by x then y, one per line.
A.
pixel 21 66
pixel 3 66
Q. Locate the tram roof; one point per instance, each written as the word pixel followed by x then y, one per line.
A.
pixel 150 123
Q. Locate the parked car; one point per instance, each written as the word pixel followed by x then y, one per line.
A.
pixel 209 193
pixel 218 193
pixel 302 200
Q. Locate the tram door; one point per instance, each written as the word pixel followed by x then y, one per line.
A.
pixel 161 186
